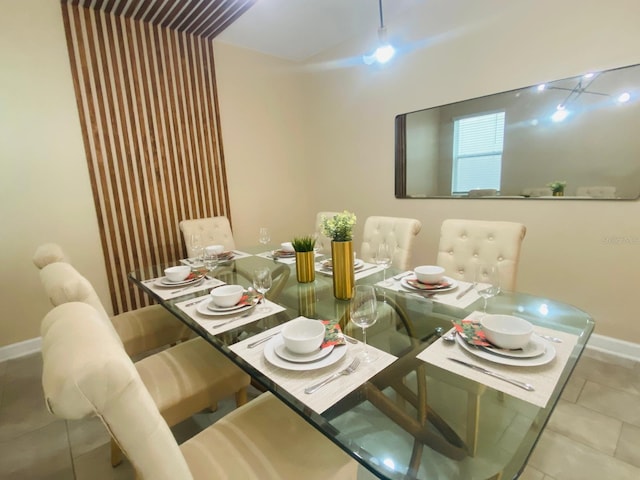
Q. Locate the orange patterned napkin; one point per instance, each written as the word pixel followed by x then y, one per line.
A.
pixel 471 331
pixel 414 282
pixel 333 334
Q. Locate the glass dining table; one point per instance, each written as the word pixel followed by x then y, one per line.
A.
pixel 419 412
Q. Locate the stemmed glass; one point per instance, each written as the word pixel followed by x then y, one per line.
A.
pixel 383 258
pixel 364 313
pixel 262 283
pixel 264 237
pixel 487 283
pixel 196 246
pixel 209 259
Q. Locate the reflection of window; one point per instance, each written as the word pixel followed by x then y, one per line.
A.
pixel 477 152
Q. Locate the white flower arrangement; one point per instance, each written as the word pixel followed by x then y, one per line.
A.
pixel 340 227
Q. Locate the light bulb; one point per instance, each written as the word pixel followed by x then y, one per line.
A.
pixel 384 53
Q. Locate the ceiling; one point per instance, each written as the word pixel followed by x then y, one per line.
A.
pixel 299 29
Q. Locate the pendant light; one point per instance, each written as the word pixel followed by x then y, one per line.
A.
pixel 385 50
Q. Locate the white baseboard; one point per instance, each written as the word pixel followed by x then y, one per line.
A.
pixel 20 349
pixel 615 347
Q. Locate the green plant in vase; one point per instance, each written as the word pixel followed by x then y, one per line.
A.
pixel 557 188
pixel 305 258
pixel 339 229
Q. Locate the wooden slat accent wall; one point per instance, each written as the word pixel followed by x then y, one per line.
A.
pixel 148 107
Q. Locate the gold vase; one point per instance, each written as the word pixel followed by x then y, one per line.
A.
pixel 343 276
pixel 558 193
pixel 305 267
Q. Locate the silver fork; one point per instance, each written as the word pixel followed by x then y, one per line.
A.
pixel 347 371
pixel 231 320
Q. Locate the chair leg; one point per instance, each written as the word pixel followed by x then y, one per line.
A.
pixel 116 454
pixel 241 397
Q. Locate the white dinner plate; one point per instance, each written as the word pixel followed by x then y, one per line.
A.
pixel 269 353
pixel 215 308
pixel 548 355
pixel 453 284
pixel 166 283
pixel 357 264
pixel 203 309
pixel 286 354
pixel 532 349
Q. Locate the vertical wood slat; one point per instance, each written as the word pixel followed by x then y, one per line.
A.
pixel 148 108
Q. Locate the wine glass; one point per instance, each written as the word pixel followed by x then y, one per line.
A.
pixel 383 257
pixel 262 283
pixel 196 246
pixel 487 283
pixel 209 259
pixel 264 237
pixel 364 313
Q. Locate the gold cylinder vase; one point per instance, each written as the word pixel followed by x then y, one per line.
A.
pixel 305 267
pixel 343 275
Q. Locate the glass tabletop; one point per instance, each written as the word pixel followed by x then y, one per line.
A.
pixel 415 418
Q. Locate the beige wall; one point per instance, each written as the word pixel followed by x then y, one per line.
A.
pixel 349 112
pixel 45 193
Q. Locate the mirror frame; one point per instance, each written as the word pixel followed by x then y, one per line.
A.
pixel 401 153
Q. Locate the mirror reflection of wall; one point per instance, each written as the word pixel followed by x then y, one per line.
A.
pixel 595 145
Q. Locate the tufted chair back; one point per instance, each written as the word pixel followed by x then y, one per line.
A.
pixel 537 192
pixel 398 233
pixel 86 372
pixel 64 284
pixel 464 244
pixel 48 253
pixel 597 192
pixel 212 231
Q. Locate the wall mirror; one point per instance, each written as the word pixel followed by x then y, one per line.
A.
pixel 581 130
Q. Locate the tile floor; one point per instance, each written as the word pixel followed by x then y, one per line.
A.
pixel 593 434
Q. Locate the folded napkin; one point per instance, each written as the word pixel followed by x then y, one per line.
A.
pixel 333 334
pixel 471 331
pixel 283 254
pixel 196 273
pixel 414 282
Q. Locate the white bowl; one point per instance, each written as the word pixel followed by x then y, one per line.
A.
pixel 303 335
pixel 287 247
pixel 214 249
pixel 506 331
pixel 429 273
pixel 177 274
pixel 227 296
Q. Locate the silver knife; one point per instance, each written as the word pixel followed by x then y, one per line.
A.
pixel 262 340
pixel 517 383
pixel 465 291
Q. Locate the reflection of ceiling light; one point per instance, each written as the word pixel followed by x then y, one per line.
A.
pixel 624 97
pixel 560 114
pixel 385 51
pixel 588 75
pixel 542 86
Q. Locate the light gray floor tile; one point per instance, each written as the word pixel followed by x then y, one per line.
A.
pixel 612 402
pixel 530 473
pixel 565 459
pixel 86 435
pixel 573 388
pixel 624 376
pixel 96 465
pixel 579 424
pixel 628 446
pixel 42 454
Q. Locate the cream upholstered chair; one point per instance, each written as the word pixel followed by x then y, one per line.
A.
pixel 322 241
pixel 399 233
pixel 464 244
pixel 86 373
pixel 141 330
pixel 182 380
pixel 212 231
pixel 596 192
pixel 537 192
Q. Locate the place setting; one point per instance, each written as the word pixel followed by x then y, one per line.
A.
pixel 505 352
pixel 180 280
pixel 229 306
pixel 359 267
pixel 313 360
